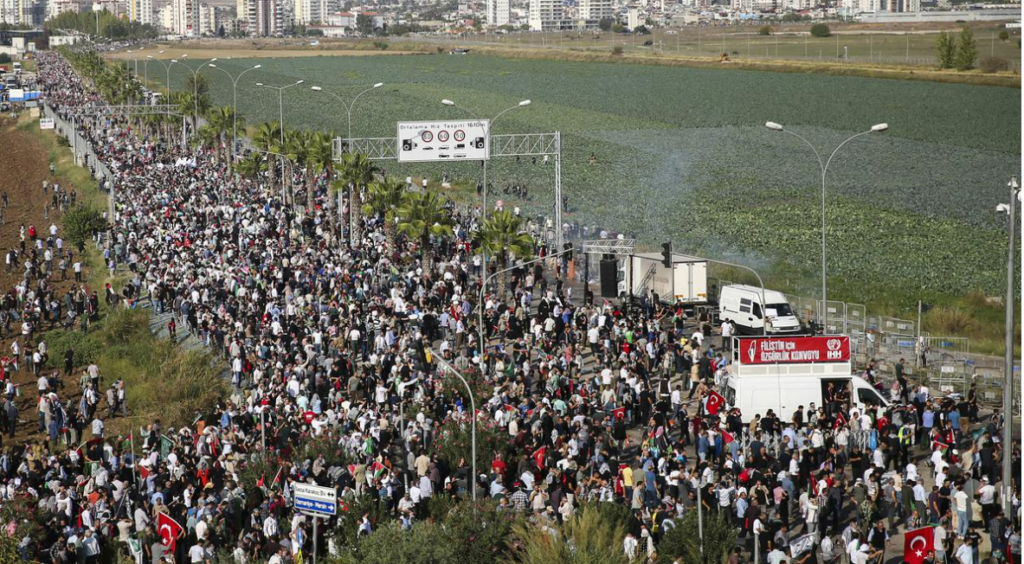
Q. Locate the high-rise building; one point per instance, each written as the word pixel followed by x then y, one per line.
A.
pixel 499 12
pixel 186 17
pixel 146 12
pixel 546 15
pixel 267 18
pixel 593 11
pixel 314 11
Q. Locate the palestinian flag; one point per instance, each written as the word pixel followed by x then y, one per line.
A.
pixel 378 469
pixel 938 444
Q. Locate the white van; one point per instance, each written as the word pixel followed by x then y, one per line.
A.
pixel 784 393
pixel 741 304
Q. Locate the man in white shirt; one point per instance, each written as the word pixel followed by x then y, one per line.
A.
pixel 195 554
pixel 964 554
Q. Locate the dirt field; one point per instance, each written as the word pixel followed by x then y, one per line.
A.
pixel 264 48
pixel 24 165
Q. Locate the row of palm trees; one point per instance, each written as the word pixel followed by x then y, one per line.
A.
pixel 417 216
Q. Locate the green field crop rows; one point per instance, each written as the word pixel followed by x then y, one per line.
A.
pixel 683 153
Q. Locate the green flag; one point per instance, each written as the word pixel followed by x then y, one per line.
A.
pixel 165 446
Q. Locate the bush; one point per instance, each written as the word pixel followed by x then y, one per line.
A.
pixel 617 50
pixel 4 58
pixel 821 30
pixel 87 348
pixel 81 223
pixel 993 64
pixel 642 30
pixel 1004 35
pixel 765 30
pixel 682 543
pixel 382 45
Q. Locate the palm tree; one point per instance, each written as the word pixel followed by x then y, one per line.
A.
pixel 321 159
pixel 299 146
pixel 222 119
pixel 205 137
pixel 267 139
pixel 357 171
pixel 251 166
pixel 422 215
pixel 384 198
pixel 503 236
pixel 585 538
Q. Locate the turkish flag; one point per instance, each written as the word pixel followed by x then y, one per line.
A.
pixel 714 403
pixel 840 421
pixel 727 438
pixel 917 544
pixel 169 530
pixel 538 456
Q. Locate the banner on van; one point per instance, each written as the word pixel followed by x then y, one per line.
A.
pixel 795 350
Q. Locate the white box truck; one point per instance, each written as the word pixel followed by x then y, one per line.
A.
pixel 742 305
pixel 784 373
pixel 644 273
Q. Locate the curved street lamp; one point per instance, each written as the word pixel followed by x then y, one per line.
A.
pixel 877 128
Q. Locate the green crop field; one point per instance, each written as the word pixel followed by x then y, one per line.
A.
pixel 683 154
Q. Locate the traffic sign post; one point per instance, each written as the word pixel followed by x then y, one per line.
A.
pixel 429 141
pixel 315 501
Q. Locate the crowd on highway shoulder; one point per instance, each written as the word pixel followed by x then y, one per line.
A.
pixel 335 342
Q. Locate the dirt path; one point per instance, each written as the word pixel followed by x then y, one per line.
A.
pixel 24 165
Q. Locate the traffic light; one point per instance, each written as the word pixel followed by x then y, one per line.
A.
pixel 666 255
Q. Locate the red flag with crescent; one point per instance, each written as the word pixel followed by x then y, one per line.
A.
pixel 169 530
pixel 840 421
pixel 917 544
pixel 715 402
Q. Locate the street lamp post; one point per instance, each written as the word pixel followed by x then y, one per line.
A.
pixel 1011 212
pixel 483 215
pixel 285 157
pixel 348 148
pixel 472 417
pixel 280 102
pixel 234 105
pixel 195 84
pixel 878 128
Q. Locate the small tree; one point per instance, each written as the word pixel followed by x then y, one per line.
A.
pixel 945 50
pixel 81 223
pixel 683 543
pixel 642 30
pixel 765 30
pixel 617 50
pixel 1004 35
pixel 4 58
pixel 605 24
pixel 966 50
pixel 821 30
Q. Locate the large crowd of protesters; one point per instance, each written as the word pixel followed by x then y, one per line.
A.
pixel 599 403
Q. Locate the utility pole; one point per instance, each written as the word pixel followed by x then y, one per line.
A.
pixel 1008 380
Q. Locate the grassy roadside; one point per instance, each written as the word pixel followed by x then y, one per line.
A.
pixel 163 380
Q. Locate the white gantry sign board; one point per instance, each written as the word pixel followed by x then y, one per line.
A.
pixel 315 499
pixel 431 141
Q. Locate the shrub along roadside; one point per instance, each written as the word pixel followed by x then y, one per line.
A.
pixel 162 380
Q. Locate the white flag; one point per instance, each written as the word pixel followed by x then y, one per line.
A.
pixel 800 545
